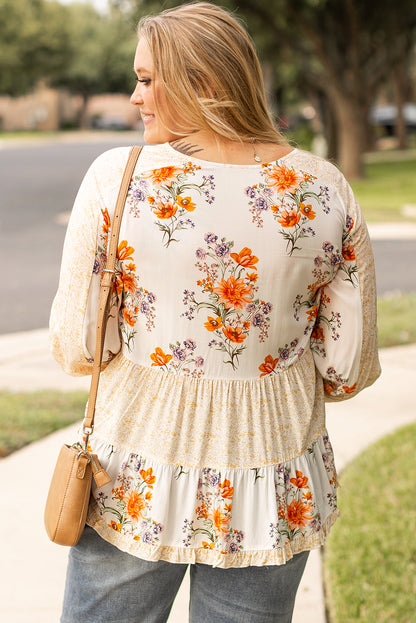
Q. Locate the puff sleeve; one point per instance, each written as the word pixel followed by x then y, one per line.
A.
pixel 74 309
pixel 345 331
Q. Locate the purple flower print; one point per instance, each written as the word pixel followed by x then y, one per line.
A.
pixel 328 247
pixel 284 354
pixel 261 203
pixel 222 250
pixel 250 192
pixel 210 238
pixel 96 268
pixel 144 307
pixel 318 261
pixel 179 354
pixel 189 344
pixel 267 308
pixel 335 259
pixel 151 297
pixel 157 528
pixel 200 254
pixel 138 194
pixel 147 538
pixel 258 319
pixel 199 362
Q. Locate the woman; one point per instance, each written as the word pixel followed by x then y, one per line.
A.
pixel 244 298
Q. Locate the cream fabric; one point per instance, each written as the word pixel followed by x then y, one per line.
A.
pixel 245 297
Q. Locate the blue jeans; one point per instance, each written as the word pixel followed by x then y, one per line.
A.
pixel 106 585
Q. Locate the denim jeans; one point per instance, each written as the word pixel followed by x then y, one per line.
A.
pixel 106 585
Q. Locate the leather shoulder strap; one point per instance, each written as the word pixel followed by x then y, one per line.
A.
pixel 107 279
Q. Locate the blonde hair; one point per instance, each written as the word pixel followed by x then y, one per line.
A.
pixel 207 64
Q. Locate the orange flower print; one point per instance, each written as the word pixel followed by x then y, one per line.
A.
pixel 206 545
pixel 298 514
pixel 307 495
pixel 124 252
pixel 307 210
pixel 213 323
pixel 318 334
pixel 115 526
pixel 252 277
pixel 348 253
pixel 159 358
pixel 148 476
pixel 312 313
pixel 268 366
pixel 185 202
pixel 234 293
pixel 283 179
pixel 226 490
pixel 234 334
pixel 129 317
pixel 129 282
pixel 220 520
pixel 165 210
pixel 131 267
pixel 300 481
pixel 107 222
pixel 135 505
pixel 288 218
pixel 163 175
pixel 245 258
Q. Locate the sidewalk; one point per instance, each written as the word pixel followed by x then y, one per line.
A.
pixel 32 569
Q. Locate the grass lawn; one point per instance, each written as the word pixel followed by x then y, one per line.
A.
pixel 27 417
pixel 396 319
pixel 370 557
pixel 386 189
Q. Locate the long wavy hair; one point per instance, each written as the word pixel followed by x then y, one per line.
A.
pixel 207 64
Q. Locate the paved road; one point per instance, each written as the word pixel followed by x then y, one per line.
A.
pixel 38 185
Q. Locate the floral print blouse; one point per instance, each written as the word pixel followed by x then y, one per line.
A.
pixel 244 298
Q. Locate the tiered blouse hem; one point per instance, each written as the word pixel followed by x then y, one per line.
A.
pixel 178 555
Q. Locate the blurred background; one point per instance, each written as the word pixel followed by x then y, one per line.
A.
pixel 340 74
pixel 341 80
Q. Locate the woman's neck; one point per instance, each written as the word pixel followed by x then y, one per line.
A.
pixel 206 146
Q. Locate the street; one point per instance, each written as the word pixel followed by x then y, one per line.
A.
pixel 38 185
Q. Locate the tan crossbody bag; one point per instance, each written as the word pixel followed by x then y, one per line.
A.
pixel 70 488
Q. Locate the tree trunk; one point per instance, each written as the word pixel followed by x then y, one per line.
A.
pixel 400 91
pixel 83 117
pixel 350 136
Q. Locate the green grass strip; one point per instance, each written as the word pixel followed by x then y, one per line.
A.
pixel 27 417
pixel 396 320
pixel 388 186
pixel 370 557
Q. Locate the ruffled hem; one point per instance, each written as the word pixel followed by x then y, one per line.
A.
pixel 177 555
pixel 222 517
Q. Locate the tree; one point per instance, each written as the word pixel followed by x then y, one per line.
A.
pixel 346 48
pixel 34 43
pixel 343 50
pixel 101 54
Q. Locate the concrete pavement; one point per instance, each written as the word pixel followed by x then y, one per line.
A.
pixel 32 569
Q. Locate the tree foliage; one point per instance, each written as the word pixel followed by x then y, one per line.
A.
pixel 34 43
pixel 337 51
pixel 71 46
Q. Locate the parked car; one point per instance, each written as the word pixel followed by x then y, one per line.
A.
pixel 107 122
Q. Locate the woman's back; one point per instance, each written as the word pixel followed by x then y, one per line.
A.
pixel 238 296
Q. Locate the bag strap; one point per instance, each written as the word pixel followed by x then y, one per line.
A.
pixel 107 280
